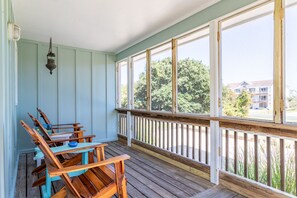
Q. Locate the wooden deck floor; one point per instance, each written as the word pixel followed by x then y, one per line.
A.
pixel 147 177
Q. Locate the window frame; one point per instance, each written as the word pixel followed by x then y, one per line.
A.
pixel 201 28
pixel 215 56
pixel 132 78
pixel 230 16
pixel 118 82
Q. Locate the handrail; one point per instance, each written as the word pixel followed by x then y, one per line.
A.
pixel 266 127
pixel 203 120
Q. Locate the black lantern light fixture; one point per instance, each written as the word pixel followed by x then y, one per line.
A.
pixel 51 59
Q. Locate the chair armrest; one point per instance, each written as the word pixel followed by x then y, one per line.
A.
pixel 57 172
pixel 56 125
pixel 81 148
pixel 67 132
pixel 71 139
pixel 66 127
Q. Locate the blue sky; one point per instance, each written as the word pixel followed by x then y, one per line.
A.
pixel 247 51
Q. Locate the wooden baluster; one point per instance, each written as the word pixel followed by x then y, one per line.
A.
pixel 134 127
pixel 182 139
pixel 296 166
pixel 200 140
pixel 142 129
pixel 159 145
pixel 188 140
pixel 172 128
pixel 156 133
pixel 138 128
pixel 149 132
pixel 206 145
pixel 282 164
pixel 227 150
pixel 194 142
pixel 125 124
pixel 146 131
pixel 245 150
pixel 176 139
pixel 163 133
pixel 268 142
pixel 121 125
pixel 168 136
pixel 256 157
pixel 235 151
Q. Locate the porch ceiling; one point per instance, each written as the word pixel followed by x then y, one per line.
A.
pixel 111 25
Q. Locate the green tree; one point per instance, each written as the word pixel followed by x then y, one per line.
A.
pixel 193 89
pixel 193 86
pixel 236 105
pixel 124 96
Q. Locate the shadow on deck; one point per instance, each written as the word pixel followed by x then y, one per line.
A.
pixel 147 177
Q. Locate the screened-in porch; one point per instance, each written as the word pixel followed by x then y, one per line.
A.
pixel 148 98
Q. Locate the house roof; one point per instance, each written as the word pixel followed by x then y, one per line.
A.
pixel 103 25
pixel 251 84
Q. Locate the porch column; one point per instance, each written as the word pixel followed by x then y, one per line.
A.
pixel 130 100
pixel 215 133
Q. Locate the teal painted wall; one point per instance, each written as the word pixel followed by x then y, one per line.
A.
pixel 213 12
pixel 81 88
pixel 8 137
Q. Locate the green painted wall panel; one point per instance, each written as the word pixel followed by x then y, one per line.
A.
pixel 99 94
pixel 47 85
pixel 84 89
pixel 28 85
pixel 77 90
pixel 66 81
pixel 111 113
pixel 213 12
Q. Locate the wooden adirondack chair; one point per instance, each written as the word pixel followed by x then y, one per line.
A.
pixel 50 138
pixel 74 126
pixel 65 159
pixel 98 180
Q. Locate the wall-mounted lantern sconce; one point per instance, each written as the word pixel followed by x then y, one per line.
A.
pixel 51 59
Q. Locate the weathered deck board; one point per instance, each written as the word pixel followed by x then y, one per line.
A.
pixel 147 177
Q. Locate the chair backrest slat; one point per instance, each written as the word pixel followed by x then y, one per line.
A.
pixel 44 116
pixel 41 127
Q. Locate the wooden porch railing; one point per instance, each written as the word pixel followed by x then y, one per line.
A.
pixel 188 140
pixel 122 125
pixel 266 159
pixel 259 151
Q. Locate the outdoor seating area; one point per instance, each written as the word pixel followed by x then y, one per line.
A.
pixel 160 98
pixel 147 176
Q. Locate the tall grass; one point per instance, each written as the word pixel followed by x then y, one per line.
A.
pixel 290 183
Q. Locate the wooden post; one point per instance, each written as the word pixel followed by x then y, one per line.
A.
pixel 278 84
pixel 129 122
pixel 148 80
pixel 215 132
pixel 174 75
pixel 118 90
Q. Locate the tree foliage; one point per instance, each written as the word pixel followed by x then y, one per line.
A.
pixel 236 105
pixel 193 86
pixel 193 89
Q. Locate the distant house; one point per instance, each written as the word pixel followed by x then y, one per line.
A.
pixel 261 92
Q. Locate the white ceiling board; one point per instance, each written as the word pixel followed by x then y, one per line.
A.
pixel 104 25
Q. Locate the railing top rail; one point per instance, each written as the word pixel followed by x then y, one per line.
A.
pixel 203 120
pixel 266 127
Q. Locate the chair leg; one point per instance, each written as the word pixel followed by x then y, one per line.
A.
pixel 121 181
pixel 124 189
